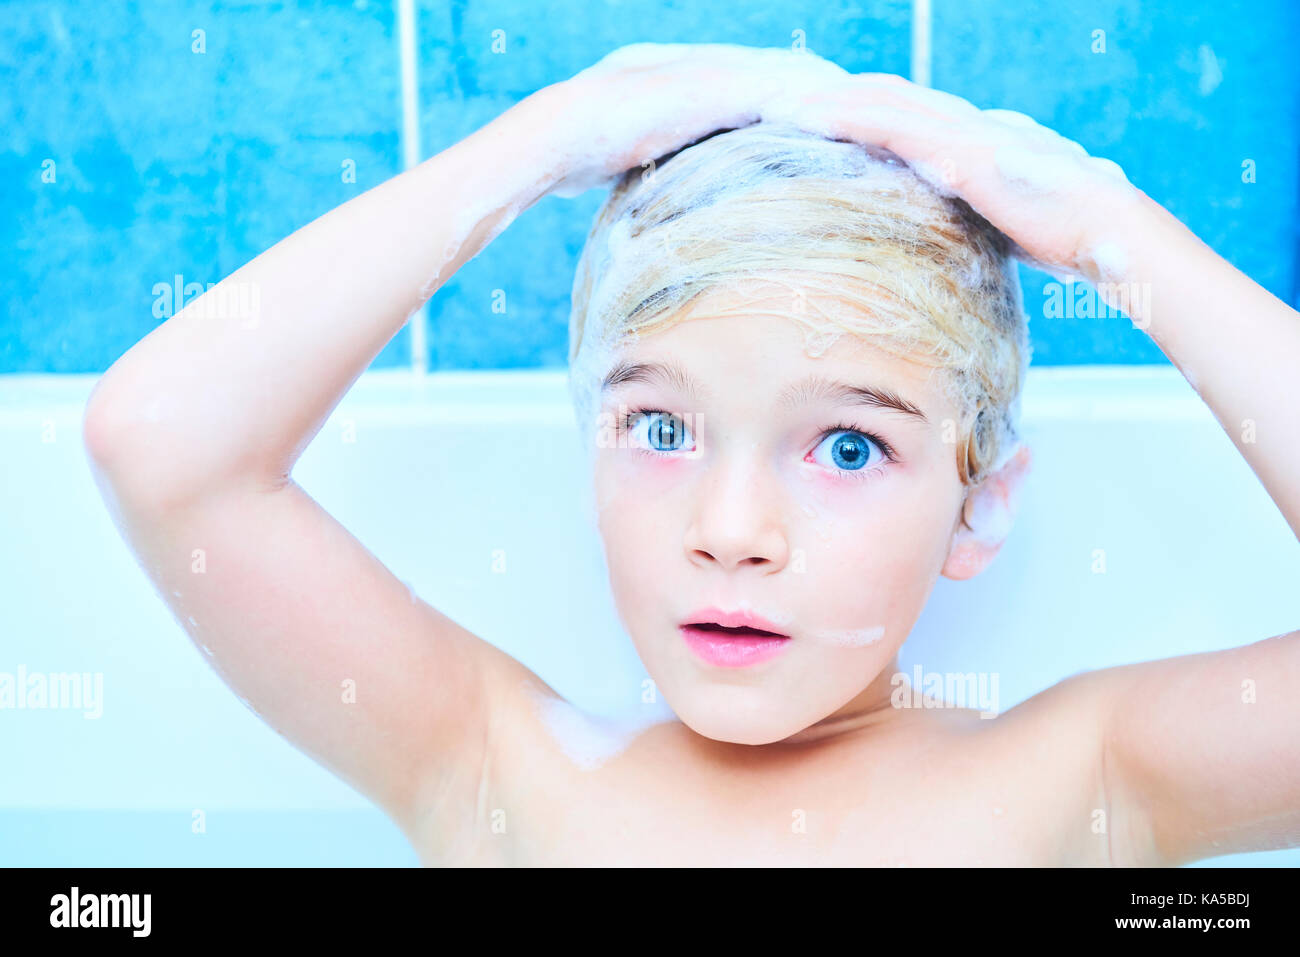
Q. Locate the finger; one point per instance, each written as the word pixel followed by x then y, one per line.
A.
pixel 894 78
pixel 919 97
pixel 941 145
pixel 950 155
pixel 1013 118
pixel 1022 122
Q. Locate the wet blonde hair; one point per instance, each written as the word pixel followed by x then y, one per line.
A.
pixel 868 248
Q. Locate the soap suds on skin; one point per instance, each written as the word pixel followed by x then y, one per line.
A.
pixel 934 177
pixel 778 619
pixel 745 93
pixel 850 638
pixel 587 740
pixel 1041 172
pixel 1110 260
pixel 991 521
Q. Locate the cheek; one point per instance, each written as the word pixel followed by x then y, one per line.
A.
pixel 635 514
pixel 627 475
pixel 641 497
pixel 890 533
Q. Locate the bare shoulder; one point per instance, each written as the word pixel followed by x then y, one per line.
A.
pixel 542 771
pixel 1200 751
pixel 1022 788
pixel 1055 745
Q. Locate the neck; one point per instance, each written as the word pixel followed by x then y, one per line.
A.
pixel 871 706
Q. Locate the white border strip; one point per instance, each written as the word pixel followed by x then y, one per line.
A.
pixel 921 52
pixel 1051 394
pixel 408 37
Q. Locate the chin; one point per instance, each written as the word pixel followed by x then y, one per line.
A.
pixel 736 727
pixel 750 736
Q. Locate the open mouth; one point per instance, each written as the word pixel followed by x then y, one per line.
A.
pixel 740 630
pixel 733 645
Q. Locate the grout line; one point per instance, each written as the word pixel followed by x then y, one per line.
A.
pixel 410 87
pixel 408 36
pixel 921 55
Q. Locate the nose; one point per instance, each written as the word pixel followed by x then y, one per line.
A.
pixel 737 520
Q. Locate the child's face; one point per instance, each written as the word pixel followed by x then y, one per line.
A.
pixel 756 491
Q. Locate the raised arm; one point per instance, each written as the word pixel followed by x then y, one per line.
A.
pixel 1204 749
pixel 1201 752
pixel 194 432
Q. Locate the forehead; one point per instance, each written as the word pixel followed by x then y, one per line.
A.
pixel 770 335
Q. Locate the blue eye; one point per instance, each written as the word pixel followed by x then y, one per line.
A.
pixel 848 450
pixel 657 431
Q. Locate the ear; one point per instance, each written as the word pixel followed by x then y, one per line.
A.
pixel 990 509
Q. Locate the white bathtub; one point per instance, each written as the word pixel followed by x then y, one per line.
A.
pixel 1126 459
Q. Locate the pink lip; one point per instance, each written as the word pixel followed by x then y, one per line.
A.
pixel 732 650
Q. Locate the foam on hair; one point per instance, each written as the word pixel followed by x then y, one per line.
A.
pixel 866 247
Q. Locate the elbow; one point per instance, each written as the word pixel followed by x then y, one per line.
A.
pixel 102 428
pixel 145 455
pixel 134 464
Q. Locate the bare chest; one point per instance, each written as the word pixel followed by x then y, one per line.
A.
pixel 943 802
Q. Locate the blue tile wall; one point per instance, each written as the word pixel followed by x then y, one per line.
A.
pixel 170 162
pixel 1182 95
pixel 464 84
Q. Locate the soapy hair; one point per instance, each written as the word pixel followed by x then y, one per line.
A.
pixel 867 248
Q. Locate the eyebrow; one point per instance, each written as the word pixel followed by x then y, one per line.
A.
pixel 811 389
pixel 816 387
pixel 650 373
